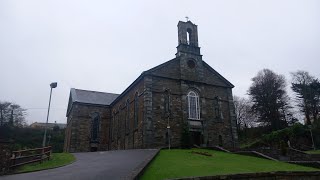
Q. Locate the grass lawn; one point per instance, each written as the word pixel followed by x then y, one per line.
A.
pixel 56 160
pixel 182 163
pixel 313 152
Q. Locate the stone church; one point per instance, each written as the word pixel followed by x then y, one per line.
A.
pixel 181 95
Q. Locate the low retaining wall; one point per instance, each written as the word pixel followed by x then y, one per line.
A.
pixel 285 175
pixel 315 157
pixel 137 173
pixel 255 154
pixel 217 148
pixel 297 155
pixel 291 154
pixel 314 164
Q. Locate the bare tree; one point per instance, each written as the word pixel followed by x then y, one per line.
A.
pixel 12 114
pixel 245 116
pixel 4 107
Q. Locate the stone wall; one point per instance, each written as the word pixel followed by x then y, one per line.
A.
pixel 126 124
pixel 78 131
pixel 160 118
pixel 290 154
pixel 5 153
pixel 211 127
pixel 296 175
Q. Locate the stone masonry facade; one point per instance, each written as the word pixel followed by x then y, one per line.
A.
pixel 153 110
pixel 79 126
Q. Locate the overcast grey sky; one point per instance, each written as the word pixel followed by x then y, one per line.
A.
pixel 105 45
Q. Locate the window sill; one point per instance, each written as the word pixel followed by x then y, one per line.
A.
pixel 195 119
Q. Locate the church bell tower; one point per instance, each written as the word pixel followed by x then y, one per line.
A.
pixel 188 40
pixel 188 51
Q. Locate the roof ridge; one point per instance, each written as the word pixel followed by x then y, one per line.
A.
pixel 95 91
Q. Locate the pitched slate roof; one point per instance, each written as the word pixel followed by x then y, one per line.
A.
pixel 92 97
pixel 228 83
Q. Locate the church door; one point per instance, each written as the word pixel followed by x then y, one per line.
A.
pixel 196 138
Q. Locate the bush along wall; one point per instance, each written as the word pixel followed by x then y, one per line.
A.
pixel 298 135
pixel 28 138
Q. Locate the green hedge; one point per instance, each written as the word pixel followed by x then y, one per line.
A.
pixel 27 138
pixel 298 135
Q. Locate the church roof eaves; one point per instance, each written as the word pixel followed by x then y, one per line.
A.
pixel 161 65
pixel 147 72
pixel 92 97
pixel 219 75
pixel 129 87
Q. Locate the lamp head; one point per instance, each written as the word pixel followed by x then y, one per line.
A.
pixel 53 85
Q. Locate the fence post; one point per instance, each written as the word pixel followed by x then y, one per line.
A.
pixel 50 152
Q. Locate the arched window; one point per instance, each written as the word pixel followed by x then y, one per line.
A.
pixel 189 32
pixel 193 105
pixel 119 120
pixel 95 127
pixel 136 110
pixel 127 117
pixel 112 126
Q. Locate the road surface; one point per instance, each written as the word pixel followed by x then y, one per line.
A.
pixel 107 165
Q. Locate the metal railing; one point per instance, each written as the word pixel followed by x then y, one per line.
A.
pixel 27 156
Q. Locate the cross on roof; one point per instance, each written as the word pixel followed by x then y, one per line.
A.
pixel 187 18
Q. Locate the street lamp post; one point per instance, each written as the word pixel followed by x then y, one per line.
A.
pixel 52 85
pixel 168 131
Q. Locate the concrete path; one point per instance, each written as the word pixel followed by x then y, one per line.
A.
pixel 107 165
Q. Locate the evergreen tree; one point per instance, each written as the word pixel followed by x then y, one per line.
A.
pixel 307 89
pixel 269 98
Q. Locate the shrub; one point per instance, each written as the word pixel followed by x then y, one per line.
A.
pixel 298 135
pixel 185 137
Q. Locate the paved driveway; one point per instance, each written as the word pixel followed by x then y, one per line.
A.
pixel 106 165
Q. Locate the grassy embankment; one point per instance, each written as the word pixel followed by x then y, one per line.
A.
pixel 182 163
pixel 313 152
pixel 57 159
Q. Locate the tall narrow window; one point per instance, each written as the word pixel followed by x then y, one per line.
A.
pixel 136 110
pixel 217 108
pixel 193 104
pixel 166 103
pixel 189 32
pixel 220 107
pixel 113 126
pixel 118 124
pixel 127 116
pixel 95 127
